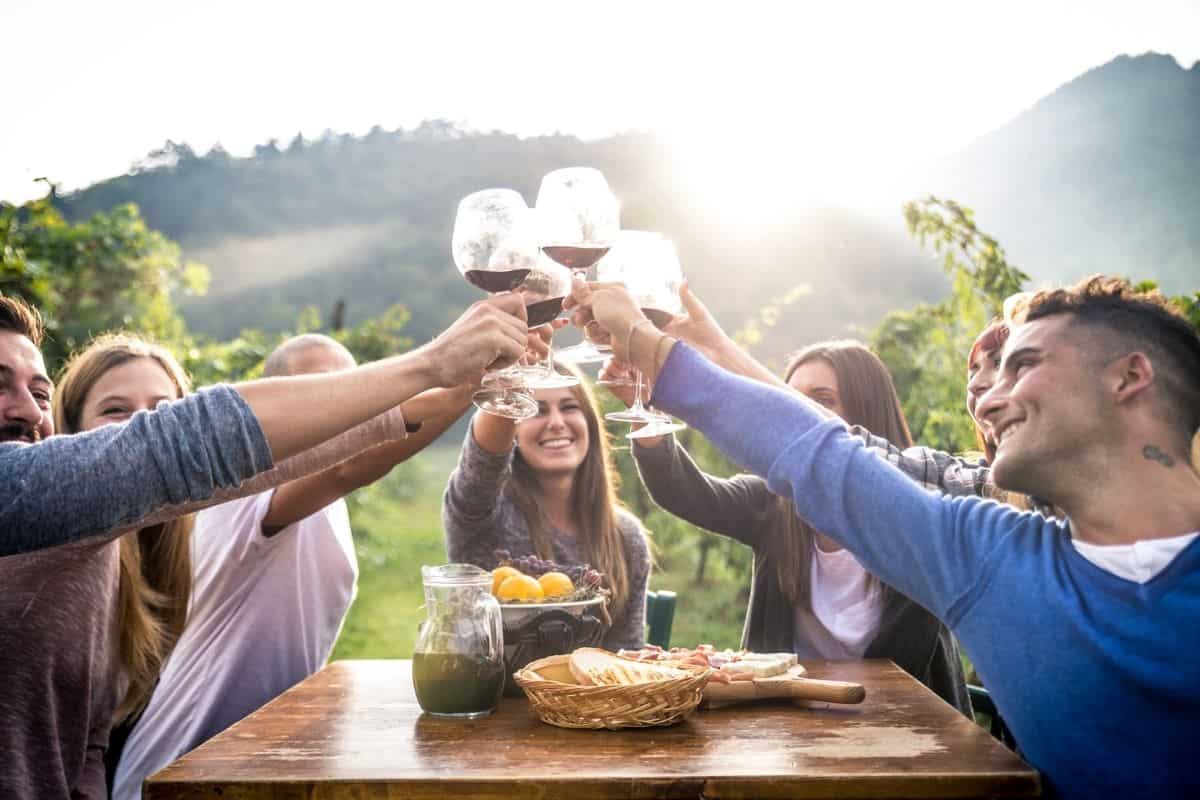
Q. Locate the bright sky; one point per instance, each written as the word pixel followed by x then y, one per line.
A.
pixel 839 91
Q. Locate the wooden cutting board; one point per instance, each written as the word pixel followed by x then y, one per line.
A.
pixel 791 685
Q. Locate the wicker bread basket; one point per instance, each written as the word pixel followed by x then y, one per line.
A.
pixel 558 700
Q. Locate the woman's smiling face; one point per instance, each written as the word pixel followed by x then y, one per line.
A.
pixel 556 440
pixel 137 385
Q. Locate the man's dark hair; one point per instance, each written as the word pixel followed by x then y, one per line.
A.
pixel 1134 321
pixel 20 318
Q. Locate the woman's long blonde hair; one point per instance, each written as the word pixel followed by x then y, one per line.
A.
pixel 156 562
pixel 869 398
pixel 593 502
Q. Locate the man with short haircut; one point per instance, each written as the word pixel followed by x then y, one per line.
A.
pixel 274 576
pixel 1083 629
pixel 25 389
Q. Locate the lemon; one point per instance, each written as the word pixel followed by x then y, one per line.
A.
pixel 556 584
pixel 519 587
pixel 499 574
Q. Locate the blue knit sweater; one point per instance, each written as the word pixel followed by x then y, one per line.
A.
pixel 1098 677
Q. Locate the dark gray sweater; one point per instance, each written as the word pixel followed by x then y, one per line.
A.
pixel 743 508
pixel 480 518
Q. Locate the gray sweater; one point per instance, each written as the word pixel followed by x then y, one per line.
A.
pixel 743 508
pixel 58 646
pixel 70 487
pixel 480 518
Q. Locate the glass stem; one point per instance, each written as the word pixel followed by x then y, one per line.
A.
pixel 637 394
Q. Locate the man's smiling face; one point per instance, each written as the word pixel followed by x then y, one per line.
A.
pixel 25 391
pixel 1047 407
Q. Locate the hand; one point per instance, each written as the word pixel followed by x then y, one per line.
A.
pixel 537 343
pixel 697 326
pixel 490 334
pixel 616 370
pixel 607 306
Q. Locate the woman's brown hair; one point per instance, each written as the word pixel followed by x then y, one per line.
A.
pixel 594 502
pixel 990 338
pixel 869 398
pixel 156 562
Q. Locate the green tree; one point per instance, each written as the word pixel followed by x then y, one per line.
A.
pixel 110 271
pixel 926 347
pixel 241 358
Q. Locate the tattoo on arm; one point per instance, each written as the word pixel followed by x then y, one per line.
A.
pixel 1152 453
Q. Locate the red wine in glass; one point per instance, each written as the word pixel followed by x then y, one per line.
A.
pixel 576 257
pixel 543 311
pixel 496 282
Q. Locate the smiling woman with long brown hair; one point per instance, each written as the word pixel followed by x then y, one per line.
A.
pixel 809 595
pixel 546 486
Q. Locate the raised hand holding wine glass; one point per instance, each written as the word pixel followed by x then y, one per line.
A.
pixel 648 266
pixel 578 221
pixel 544 289
pixel 495 247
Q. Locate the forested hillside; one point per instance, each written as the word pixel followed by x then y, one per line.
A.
pixel 367 219
pixel 1102 175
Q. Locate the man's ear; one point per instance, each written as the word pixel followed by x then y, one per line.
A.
pixel 1131 375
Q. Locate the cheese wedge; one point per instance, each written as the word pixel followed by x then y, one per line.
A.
pixel 761 665
pixel 790 658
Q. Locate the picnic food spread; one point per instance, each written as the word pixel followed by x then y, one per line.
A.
pixel 593 688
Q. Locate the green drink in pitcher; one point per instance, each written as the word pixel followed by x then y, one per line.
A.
pixel 458 661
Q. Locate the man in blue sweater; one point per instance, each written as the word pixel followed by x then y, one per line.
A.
pixel 1084 630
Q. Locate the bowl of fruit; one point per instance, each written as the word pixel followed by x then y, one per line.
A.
pixel 547 609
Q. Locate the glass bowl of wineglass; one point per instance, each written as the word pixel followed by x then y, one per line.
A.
pixel 544 289
pixel 648 266
pixel 495 247
pixel 578 221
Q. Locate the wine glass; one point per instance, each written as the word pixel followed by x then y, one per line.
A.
pixel 578 221
pixel 544 289
pixel 495 247
pixel 648 266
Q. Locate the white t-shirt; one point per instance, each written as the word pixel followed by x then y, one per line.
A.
pixel 1137 562
pixel 847 603
pixel 265 615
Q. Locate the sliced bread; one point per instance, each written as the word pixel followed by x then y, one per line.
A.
pixel 592 666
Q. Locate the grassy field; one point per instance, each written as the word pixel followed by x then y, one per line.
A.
pixel 397 528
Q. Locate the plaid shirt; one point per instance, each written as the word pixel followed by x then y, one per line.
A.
pixel 942 472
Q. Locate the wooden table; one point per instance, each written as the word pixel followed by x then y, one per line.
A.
pixel 354 730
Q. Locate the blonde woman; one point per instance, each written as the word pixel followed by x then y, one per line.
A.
pixel 107 383
pixel 252 560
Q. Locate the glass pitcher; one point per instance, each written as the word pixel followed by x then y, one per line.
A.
pixel 458 661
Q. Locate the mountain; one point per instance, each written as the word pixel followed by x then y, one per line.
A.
pixel 1102 175
pixel 368 220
